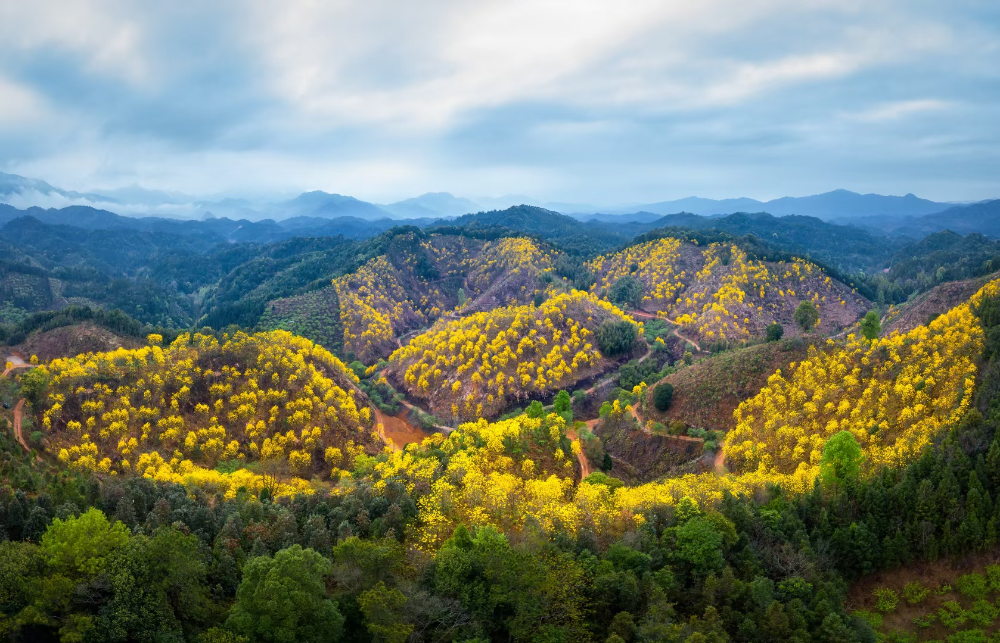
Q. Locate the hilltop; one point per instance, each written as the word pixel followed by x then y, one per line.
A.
pixel 478 365
pixel 719 293
pixel 175 413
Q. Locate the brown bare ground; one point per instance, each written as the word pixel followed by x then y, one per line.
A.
pixel 931 575
pixel 707 393
pixel 69 341
pixel 937 300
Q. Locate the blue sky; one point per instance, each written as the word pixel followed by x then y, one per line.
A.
pixel 587 102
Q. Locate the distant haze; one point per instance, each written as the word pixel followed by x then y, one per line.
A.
pixel 837 205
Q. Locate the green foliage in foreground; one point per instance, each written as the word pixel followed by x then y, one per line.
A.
pixel 89 559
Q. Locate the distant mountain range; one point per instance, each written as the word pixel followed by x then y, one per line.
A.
pixel 838 204
pixel 900 215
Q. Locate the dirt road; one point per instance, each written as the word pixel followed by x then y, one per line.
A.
pixel 18 415
pixel 719 463
pixel 581 457
pixel 439 427
pixel 16 361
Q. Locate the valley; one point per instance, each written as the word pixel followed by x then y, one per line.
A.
pixel 467 379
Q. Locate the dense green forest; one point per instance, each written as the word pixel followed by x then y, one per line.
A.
pixel 175 274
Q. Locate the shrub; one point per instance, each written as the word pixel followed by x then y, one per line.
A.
pixel 601 478
pixel 663 396
pixel 983 613
pixel 972 586
pixel 914 593
pixel 688 358
pixel 952 615
pixel 886 600
pixel 806 316
pixel 993 576
pixel 775 331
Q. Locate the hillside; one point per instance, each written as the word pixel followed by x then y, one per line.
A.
pixel 421 278
pixel 893 394
pixel 719 293
pixel 477 365
pixel 837 204
pixel 72 340
pixel 963 219
pixel 707 392
pixel 925 307
pixel 175 413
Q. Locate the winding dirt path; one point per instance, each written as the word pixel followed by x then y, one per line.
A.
pixel 679 336
pixel 581 457
pixel 719 462
pixel 18 415
pixel 16 361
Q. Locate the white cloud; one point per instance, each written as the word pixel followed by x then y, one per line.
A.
pixel 571 100
pixel 898 109
pixel 19 105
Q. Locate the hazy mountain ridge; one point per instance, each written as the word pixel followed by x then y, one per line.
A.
pixel 138 201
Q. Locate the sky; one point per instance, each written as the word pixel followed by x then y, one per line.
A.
pixel 583 101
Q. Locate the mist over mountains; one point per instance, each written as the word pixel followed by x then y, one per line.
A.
pixel 318 211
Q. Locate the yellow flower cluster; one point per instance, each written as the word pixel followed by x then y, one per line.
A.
pixel 730 297
pixel 372 303
pixel 383 298
pixel 654 263
pixel 893 394
pixel 270 396
pixel 478 363
pixel 508 258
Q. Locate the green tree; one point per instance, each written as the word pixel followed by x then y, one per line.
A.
pixel 663 396
pixel 382 608
pixel 699 545
pixel 81 546
pixel 871 326
pixel 626 290
pixel 615 338
pixel 561 405
pixel 806 316
pixel 283 599
pixel 775 331
pixel 158 589
pixel 33 385
pixel 562 402
pixel 841 459
pixel 361 564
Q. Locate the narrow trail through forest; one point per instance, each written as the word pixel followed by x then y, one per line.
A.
pixel 581 457
pixel 719 462
pixel 18 433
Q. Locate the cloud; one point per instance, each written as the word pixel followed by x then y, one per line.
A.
pixel 586 100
